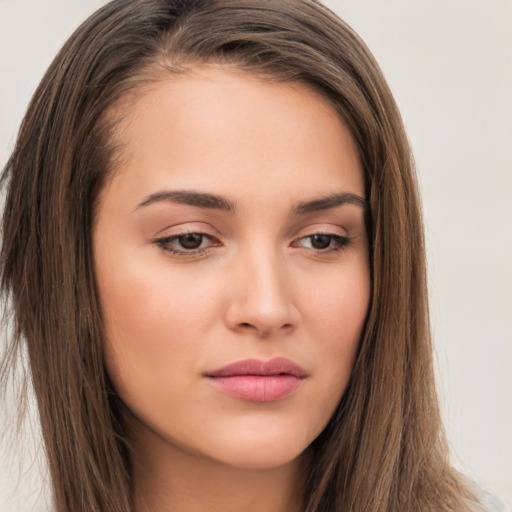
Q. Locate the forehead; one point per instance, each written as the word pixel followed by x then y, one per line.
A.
pixel 226 131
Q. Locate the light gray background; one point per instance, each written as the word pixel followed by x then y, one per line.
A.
pixel 449 63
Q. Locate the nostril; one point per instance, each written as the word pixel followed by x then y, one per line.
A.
pixel 264 332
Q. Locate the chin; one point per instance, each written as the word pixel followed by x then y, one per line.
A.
pixel 255 451
pixel 267 458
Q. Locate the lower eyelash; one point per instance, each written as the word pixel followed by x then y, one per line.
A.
pixel 163 243
pixel 341 242
pixel 177 252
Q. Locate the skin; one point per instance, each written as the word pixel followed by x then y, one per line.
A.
pixel 258 287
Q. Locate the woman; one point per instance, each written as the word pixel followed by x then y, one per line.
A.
pixel 222 289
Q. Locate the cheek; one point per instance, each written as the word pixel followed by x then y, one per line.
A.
pixel 152 325
pixel 336 303
pixel 335 320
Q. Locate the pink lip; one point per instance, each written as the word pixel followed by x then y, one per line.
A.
pixel 258 381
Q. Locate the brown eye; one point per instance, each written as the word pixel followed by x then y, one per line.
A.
pixel 187 244
pixel 321 241
pixel 190 240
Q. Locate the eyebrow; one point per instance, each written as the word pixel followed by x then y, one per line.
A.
pixel 215 202
pixel 330 201
pixel 191 198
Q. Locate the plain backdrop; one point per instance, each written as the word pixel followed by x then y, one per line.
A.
pixel 449 64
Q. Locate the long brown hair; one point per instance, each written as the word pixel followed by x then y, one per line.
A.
pixel 384 448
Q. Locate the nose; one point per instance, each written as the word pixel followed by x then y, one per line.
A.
pixel 262 298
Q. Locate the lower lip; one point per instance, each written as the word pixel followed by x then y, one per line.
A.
pixel 257 388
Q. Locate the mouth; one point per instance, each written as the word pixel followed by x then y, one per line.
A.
pixel 258 381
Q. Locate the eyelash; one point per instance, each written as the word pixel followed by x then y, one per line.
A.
pixel 340 243
pixel 164 243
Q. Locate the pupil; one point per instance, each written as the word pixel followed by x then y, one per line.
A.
pixel 320 241
pixel 191 241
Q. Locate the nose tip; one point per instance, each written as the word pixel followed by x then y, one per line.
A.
pixel 262 302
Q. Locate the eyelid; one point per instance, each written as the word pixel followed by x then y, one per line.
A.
pixel 341 241
pixel 184 228
pixel 321 228
pixel 165 244
pixel 339 238
pixel 169 242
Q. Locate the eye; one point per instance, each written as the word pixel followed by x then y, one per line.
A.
pixel 190 240
pixel 187 244
pixel 323 242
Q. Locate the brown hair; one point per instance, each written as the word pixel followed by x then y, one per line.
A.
pixel 384 448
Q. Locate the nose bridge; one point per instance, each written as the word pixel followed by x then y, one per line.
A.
pixel 263 299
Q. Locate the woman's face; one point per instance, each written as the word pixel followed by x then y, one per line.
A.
pixel 232 264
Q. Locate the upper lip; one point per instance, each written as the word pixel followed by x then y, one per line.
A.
pixel 275 366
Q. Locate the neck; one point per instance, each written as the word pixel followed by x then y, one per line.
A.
pixel 167 478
